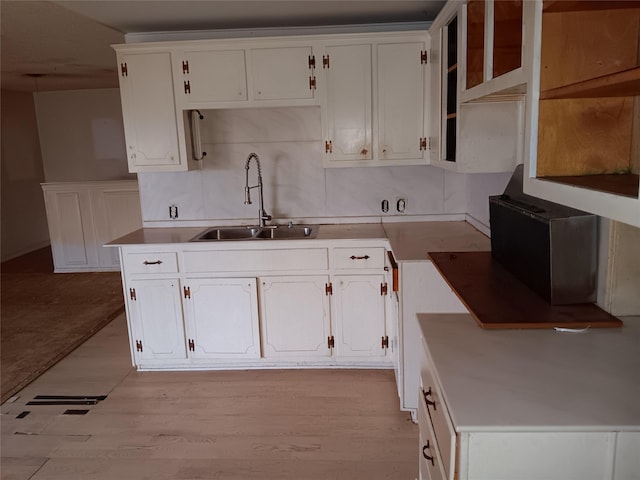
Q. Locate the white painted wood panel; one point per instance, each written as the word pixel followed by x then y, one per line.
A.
pixel 73 230
pixel 212 261
pixel 150 263
pixel 222 318
pixel 149 113
pixel 117 213
pixel 401 100
pixel 156 320
pixel 361 258
pixel 295 316
pixel 281 73
pixel 627 460
pixel 349 103
pixel 213 76
pixel 359 313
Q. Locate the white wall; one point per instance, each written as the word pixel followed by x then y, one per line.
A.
pixel 81 135
pixel 24 222
pixel 288 141
pixel 480 186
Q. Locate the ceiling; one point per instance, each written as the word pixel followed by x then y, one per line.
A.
pixel 65 44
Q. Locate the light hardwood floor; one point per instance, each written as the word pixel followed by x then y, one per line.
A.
pixel 259 424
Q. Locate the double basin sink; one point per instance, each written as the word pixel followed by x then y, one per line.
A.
pixel 270 232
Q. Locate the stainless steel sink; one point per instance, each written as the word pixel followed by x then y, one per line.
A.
pixel 271 232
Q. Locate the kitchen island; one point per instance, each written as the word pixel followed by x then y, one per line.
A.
pixel 529 404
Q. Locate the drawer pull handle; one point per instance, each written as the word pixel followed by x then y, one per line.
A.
pixel 425 449
pixel 365 257
pixel 157 262
pixel 426 400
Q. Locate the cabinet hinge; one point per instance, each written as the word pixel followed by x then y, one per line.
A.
pixel 328 288
pixel 325 61
pixel 423 143
pixel 123 69
pixel 424 57
pixel 187 87
pixel 192 345
pixel 331 343
pixel 328 147
pixel 187 292
pixel 385 342
pixel 312 62
pixel 312 83
pixel 132 293
pixel 384 289
pixel 185 67
pixel 138 345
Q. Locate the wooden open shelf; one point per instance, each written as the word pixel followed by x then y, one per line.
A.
pixel 620 84
pixel 626 184
pixel 551 6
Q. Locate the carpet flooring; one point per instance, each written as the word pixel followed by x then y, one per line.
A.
pixel 45 316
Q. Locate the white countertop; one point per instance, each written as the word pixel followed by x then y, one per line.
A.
pixel 536 379
pixel 408 240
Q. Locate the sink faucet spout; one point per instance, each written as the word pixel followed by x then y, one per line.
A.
pixel 263 216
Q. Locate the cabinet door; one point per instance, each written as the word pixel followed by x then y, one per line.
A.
pixel 282 73
pixel 116 213
pixel 155 313
pixel 295 316
pixel 71 230
pixel 401 102
pixel 211 76
pixel 148 112
pixel 359 310
pixel 222 318
pixel 348 103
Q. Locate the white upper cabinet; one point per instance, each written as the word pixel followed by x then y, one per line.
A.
pixel 283 73
pixel 149 112
pixel 348 103
pixel 484 136
pixel 208 76
pixel 374 105
pixel 401 101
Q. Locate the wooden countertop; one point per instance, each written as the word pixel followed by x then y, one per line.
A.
pixel 497 299
pixel 541 380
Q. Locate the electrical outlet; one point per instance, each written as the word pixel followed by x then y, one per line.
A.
pixel 384 206
pixel 401 205
pixel 173 212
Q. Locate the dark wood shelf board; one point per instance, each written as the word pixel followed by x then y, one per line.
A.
pixel 552 6
pixel 625 184
pixel 620 84
pixel 497 299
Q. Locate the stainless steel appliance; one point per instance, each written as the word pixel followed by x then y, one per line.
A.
pixel 549 247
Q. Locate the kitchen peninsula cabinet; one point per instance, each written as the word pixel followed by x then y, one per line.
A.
pixel 256 304
pixel 480 417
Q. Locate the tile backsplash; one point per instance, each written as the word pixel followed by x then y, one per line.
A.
pixel 296 185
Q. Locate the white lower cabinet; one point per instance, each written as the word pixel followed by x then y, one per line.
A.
pixel 296 321
pixel 359 310
pixel 194 307
pixel 222 318
pixel 155 318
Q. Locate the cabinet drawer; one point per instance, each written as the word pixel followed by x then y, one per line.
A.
pixel 152 262
pixel 443 430
pixel 430 463
pixel 256 260
pixel 358 258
